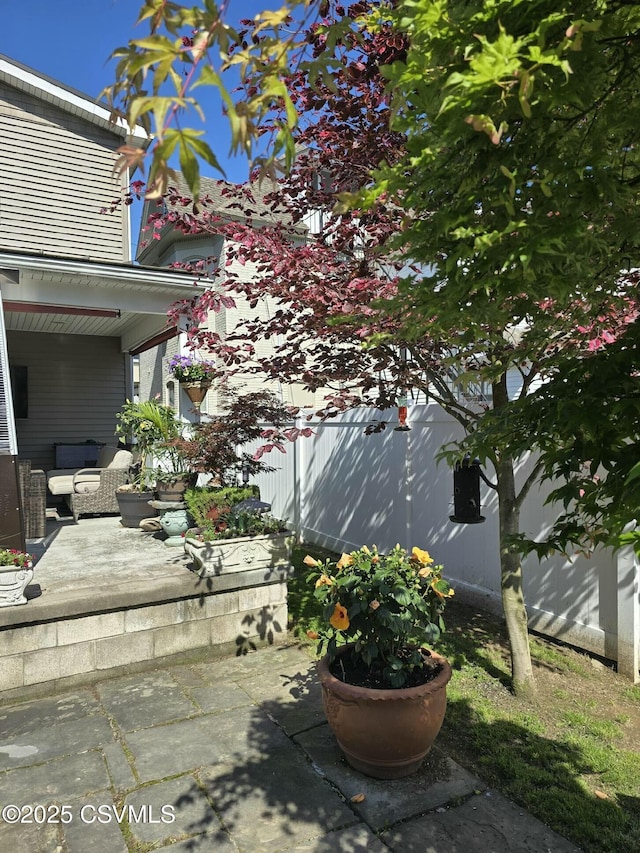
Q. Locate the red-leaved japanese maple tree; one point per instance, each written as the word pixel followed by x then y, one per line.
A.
pixel 366 303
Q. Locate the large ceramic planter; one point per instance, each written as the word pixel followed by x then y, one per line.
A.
pixel 240 555
pixel 173 488
pixel 134 507
pixel 385 733
pixel 13 582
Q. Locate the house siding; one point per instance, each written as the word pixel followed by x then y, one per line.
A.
pixel 75 389
pixel 154 376
pixel 46 204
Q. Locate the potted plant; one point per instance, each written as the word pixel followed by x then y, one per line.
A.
pixel 16 573
pixel 239 540
pixel 135 426
pixel 194 375
pixel 218 444
pixel 206 504
pixel 173 473
pixel 232 536
pixel 156 432
pixel 384 690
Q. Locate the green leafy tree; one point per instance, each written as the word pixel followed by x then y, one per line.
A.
pixel 521 176
pixel 194 47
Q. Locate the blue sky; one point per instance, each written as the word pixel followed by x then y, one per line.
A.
pixel 71 40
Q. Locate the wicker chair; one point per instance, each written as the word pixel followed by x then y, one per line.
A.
pixel 103 500
pixel 33 490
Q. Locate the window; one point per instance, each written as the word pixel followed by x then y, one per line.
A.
pixel 171 394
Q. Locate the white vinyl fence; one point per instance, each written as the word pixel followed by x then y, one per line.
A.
pixel 342 489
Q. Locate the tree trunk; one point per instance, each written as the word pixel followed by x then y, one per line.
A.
pixel 513 606
pixel 515 612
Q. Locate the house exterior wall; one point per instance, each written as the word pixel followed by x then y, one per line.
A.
pixel 55 177
pixel 75 388
pixel 155 382
pixel 154 362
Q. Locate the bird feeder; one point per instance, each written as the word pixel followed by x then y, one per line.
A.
pixel 402 415
pixel 466 492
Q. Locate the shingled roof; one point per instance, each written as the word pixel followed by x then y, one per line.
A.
pixel 248 203
pixel 235 201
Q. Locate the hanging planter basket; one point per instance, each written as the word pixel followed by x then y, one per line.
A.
pixel 196 391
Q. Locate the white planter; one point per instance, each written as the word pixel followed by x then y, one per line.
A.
pixel 13 582
pixel 240 555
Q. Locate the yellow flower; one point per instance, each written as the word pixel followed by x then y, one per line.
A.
pixel 339 619
pixel 424 572
pixel 344 561
pixel 421 556
pixel 324 580
pixel 309 561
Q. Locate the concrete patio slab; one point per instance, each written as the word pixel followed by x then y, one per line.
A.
pixel 439 781
pixel 177 808
pixel 42 743
pixel 487 822
pixel 143 700
pixel 57 780
pixel 276 792
pixel 232 778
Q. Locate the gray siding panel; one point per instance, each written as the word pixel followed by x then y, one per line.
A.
pixel 76 385
pixel 56 176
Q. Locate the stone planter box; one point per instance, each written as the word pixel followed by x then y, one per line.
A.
pixel 13 582
pixel 244 554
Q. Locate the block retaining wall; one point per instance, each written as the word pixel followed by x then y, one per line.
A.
pixel 46 645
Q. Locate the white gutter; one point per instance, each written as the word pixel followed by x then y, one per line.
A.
pixel 132 274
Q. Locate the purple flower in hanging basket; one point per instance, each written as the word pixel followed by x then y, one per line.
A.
pixel 185 368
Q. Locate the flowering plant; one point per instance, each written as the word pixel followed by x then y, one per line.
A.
pixel 12 557
pixel 387 605
pixel 185 368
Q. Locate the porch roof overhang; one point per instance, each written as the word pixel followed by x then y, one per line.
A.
pixel 70 296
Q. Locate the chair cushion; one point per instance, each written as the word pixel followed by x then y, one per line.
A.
pixel 63 481
pixel 60 480
pixel 114 457
pixel 88 481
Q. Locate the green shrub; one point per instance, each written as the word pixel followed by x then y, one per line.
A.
pixel 233 525
pixel 201 499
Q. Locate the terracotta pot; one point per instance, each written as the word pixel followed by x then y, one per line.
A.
pixel 384 733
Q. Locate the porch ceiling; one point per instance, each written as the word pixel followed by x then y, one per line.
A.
pixel 78 297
